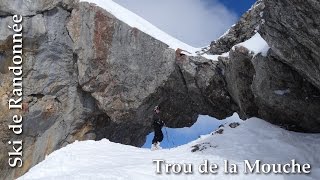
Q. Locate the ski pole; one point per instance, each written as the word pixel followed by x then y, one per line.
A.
pixel 168 137
pixel 165 129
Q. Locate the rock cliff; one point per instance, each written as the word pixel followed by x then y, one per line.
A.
pixel 282 87
pixel 88 75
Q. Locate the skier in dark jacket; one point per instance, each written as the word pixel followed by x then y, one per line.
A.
pixel 157 126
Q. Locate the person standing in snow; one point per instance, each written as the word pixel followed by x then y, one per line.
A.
pixel 157 126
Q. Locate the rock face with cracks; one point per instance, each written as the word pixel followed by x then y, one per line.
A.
pixel 282 88
pixel 88 75
pixel 267 88
pixel 292 27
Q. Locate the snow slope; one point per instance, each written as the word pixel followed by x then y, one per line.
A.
pixel 253 140
pixel 255 44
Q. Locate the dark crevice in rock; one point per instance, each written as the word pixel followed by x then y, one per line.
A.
pixel 38 96
pixel 185 86
pixel 98 125
pixel 123 132
pixel 5 54
pixel 75 58
pixel 57 99
pixel 68 33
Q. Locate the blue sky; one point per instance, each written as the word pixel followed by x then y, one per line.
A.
pixel 195 22
pixel 174 137
pixel 237 6
pixel 179 136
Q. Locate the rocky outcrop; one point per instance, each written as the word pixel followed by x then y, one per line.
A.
pixel 239 72
pixel 244 29
pixel 128 72
pixel 31 8
pixel 293 35
pixel 56 111
pixel 285 84
pixel 267 88
pixel 283 96
pixel 283 87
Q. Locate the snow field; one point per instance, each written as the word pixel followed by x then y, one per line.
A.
pixel 254 139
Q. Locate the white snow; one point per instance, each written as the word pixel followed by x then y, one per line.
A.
pixel 256 44
pixel 253 140
pixel 261 14
pixel 282 92
pixel 227 32
pixel 215 57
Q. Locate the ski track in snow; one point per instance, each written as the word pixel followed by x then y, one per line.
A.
pixel 253 140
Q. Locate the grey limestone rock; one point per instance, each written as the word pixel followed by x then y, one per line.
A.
pixel 31 8
pixel 267 88
pixel 239 72
pixel 283 96
pixel 292 28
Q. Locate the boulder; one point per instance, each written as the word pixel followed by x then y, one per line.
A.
pixel 239 72
pixel 267 88
pixel 291 29
pixel 283 96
